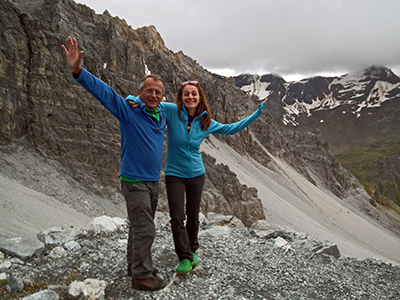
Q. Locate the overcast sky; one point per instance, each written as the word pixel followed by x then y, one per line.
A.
pixel 293 38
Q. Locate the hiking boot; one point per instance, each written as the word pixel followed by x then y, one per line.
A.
pixel 129 271
pixel 184 267
pixel 195 261
pixel 153 283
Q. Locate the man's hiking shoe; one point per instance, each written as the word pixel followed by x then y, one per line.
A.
pixel 185 266
pixel 153 283
pixel 195 261
pixel 129 271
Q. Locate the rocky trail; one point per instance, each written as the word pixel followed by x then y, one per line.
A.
pixel 262 262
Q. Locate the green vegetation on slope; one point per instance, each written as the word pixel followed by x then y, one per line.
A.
pixel 377 166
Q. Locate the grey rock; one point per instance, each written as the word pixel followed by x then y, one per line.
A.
pixel 23 248
pixel 43 295
pixel 86 243
pixel 28 282
pixel 16 284
pixel 58 235
pixel 327 248
pixel 57 252
pixel 4 266
pixel 72 245
pixel 215 231
pixel 282 234
pixel 15 260
pixel 222 220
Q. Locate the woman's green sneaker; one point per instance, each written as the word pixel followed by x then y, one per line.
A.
pixel 184 267
pixel 195 261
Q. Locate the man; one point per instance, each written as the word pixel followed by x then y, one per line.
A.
pixel 142 136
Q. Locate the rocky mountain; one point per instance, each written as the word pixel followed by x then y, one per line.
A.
pixel 46 116
pixel 62 147
pixel 41 101
pixel 356 113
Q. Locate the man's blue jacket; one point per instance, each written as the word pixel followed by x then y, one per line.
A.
pixel 142 136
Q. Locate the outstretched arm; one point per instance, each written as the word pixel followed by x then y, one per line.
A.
pixel 229 129
pixel 74 56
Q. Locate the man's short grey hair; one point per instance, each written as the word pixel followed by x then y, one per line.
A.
pixel 155 77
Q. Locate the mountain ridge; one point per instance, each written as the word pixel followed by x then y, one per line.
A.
pixel 352 112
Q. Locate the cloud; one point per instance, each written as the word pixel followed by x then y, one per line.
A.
pixel 286 37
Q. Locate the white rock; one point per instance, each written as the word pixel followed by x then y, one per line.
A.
pixel 202 218
pixel 3 276
pixel 58 235
pixel 216 231
pixel 106 224
pixel 75 289
pixel 91 289
pixel 43 295
pixel 120 222
pixel 280 243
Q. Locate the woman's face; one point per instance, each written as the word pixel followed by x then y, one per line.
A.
pixel 190 98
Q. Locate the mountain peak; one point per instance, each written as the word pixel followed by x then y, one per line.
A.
pixel 354 92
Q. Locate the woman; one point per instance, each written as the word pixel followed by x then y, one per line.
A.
pixel 189 122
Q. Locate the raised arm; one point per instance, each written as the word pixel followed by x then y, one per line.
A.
pixel 99 89
pixel 74 56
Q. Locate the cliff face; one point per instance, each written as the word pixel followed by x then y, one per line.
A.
pixel 41 102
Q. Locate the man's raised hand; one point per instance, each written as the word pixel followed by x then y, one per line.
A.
pixel 74 56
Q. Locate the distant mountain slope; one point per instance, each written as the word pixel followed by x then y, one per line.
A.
pixel 352 112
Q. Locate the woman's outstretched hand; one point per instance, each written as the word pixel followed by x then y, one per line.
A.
pixel 133 104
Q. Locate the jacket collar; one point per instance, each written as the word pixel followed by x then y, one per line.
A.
pixel 186 115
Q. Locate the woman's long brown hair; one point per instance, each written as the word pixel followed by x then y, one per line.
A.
pixel 202 106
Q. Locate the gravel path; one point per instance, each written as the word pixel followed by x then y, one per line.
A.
pixel 239 265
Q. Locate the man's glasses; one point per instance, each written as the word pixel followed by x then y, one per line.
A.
pixel 187 82
pixel 151 91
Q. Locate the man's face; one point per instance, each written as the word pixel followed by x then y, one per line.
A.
pixel 152 92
